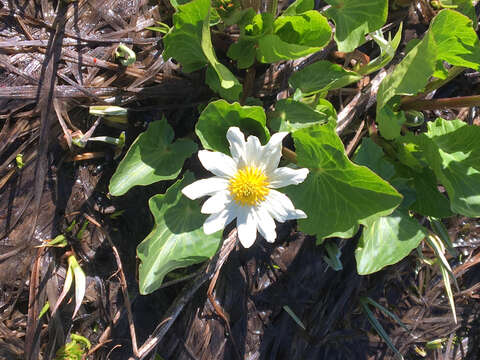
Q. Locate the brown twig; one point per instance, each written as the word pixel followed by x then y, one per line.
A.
pixel 438 104
pixel 220 312
pixel 123 283
pixel 126 299
pixel 32 336
pixel 106 333
pixel 360 102
pixel 356 139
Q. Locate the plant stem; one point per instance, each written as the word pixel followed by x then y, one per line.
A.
pixel 272 7
pixel 289 155
pixel 453 72
pixel 248 84
pixel 447 103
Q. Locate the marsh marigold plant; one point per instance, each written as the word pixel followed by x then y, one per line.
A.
pixel 243 187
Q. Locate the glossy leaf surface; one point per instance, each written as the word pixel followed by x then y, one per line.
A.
pixel 452 150
pixel 177 239
pixel 386 241
pixel 219 115
pixel 322 76
pixel 354 19
pixel 337 194
pixel 152 157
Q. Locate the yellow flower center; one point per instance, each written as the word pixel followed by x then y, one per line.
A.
pixel 249 186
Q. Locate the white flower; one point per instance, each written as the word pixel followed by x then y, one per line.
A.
pixel 244 187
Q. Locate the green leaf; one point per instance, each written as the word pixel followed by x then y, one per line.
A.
pixel 226 78
pixel 342 234
pixel 327 110
pixel 184 41
pixel 457 42
pixel 337 194
pixel 429 201
pixel 176 3
pixel 237 15
pixel 322 76
pixel 452 150
pixel 243 51
pixel 219 115
pixel 299 6
pixel 80 282
pixel 409 194
pixel 447 273
pixel 440 71
pixel 177 239
pixel 354 19
pixel 386 241
pixel 259 25
pixel 294 37
pixel 463 6
pixel 44 310
pixel 213 81
pixel 333 255
pixel 66 288
pixel 371 155
pixel 291 115
pixel 294 317
pixel 440 230
pixel 189 42
pixel 151 158
pixel 309 28
pixel 408 78
pixel 81 339
pixel 387 50
pixel 271 48
pixel 450 38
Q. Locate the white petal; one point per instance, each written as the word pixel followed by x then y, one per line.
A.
pixel 219 164
pixel 247 226
pixel 296 214
pixel 236 139
pixel 281 207
pixel 253 151
pixel 285 176
pixel 217 202
pixel 218 221
pixel 272 152
pixel 205 187
pixel 266 224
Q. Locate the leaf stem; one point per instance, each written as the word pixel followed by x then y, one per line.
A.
pixel 272 7
pixel 289 155
pixel 453 72
pixel 248 84
pixel 437 104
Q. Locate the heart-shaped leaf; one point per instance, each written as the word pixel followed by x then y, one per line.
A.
pixel 354 19
pixel 386 241
pixel 184 41
pixel 291 115
pixel 337 194
pixel 452 150
pixel 151 158
pixel 322 76
pixel 219 115
pixel 177 239
pixel 293 37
